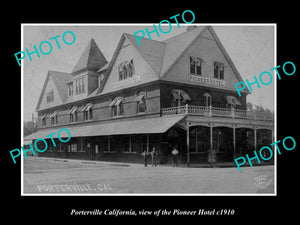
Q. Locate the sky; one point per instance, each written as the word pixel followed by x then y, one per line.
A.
pixel 250 47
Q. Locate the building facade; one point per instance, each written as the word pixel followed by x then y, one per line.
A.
pixel 175 93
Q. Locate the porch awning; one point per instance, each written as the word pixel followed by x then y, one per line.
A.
pixel 179 94
pixel 232 100
pixel 140 126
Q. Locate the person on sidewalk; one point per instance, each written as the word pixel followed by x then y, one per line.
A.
pixel 174 153
pixel 154 157
pixel 212 158
pixel 144 154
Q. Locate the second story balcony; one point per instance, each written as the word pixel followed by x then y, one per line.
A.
pixel 205 111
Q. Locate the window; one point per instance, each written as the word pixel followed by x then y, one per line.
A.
pixel 73 147
pixel 141 102
pixel 43 120
pixel 53 118
pixel 195 65
pixel 81 143
pixel 100 78
pixel 180 97
pixel 126 69
pixel 50 96
pixel 208 99
pixel 219 70
pixel 88 112
pixel 73 115
pixel 199 139
pixel 83 84
pixel 80 85
pixel 70 89
pixel 117 106
pixel 127 144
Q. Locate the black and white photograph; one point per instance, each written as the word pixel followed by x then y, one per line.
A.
pixel 152 115
pixel 157 113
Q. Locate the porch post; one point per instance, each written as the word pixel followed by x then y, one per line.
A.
pixel 211 140
pixel 255 139
pixel 187 143
pixel 234 141
pixel 147 143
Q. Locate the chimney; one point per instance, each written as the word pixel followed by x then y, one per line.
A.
pixel 190 28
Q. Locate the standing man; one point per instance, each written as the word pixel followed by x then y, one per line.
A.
pixel 154 157
pixel 175 152
pixel 144 154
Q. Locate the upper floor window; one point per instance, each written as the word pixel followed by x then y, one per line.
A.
pixel 219 70
pixel 50 96
pixel 117 106
pixel 73 115
pixel 80 85
pixel 126 69
pixel 70 89
pixel 180 97
pixel 141 102
pixel 43 120
pixel 53 118
pixel 208 99
pixel 88 112
pixel 195 65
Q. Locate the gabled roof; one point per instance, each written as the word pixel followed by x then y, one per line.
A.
pixel 176 46
pixel 219 43
pixel 91 58
pixel 152 51
pixel 161 56
pixel 60 80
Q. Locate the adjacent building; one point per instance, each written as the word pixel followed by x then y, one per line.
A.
pixel 175 93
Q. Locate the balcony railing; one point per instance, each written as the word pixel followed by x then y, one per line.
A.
pixel 218 112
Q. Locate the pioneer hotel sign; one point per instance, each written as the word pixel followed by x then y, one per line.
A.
pixel 207 81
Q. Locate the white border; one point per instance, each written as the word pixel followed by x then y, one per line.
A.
pixel 156 194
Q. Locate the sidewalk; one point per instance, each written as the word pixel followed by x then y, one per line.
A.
pixel 85 161
pixel 126 164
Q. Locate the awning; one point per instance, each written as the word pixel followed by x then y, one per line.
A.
pixel 139 98
pixel 179 94
pixel 116 101
pixel 140 126
pixel 87 107
pixel 73 110
pixel 232 100
pixel 53 114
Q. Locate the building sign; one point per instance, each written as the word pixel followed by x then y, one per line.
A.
pixel 207 81
pixel 126 82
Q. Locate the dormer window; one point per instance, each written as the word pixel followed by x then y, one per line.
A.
pixel 79 85
pixel 126 69
pixel 70 89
